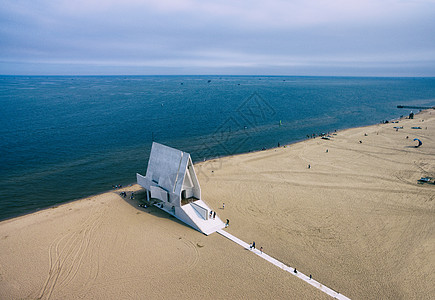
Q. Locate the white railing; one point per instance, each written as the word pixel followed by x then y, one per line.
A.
pixel 203 212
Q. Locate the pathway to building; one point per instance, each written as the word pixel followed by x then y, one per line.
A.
pixel 281 265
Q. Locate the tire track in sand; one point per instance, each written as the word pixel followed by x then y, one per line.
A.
pixel 66 255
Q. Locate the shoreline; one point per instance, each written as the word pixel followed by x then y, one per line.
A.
pixel 205 161
pixel 308 139
pixel 124 188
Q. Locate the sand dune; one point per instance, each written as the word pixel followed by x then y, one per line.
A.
pixel 356 220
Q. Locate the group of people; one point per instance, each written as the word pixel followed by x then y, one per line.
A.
pixel 252 246
pixel 213 214
pixel 124 194
pixel 313 136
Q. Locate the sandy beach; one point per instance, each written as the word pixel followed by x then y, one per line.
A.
pixel 357 220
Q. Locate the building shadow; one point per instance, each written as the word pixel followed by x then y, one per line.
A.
pixel 140 203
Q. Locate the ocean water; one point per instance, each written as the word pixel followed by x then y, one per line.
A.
pixel 64 138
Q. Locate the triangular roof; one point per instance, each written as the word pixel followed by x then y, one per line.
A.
pixel 167 167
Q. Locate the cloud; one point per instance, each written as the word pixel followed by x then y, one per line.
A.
pixel 212 34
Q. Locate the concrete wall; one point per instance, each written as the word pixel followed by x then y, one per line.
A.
pixel 189 192
pixel 182 216
pixel 196 186
pixel 159 193
pixel 164 166
pixel 143 181
pixel 203 212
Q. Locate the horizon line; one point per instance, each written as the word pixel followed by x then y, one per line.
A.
pixel 212 75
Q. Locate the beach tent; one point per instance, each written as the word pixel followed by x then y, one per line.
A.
pixel 171 180
pixel 419 143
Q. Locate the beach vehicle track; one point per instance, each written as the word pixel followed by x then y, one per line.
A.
pixel 66 255
pixel 84 239
pixel 191 262
pixel 287 182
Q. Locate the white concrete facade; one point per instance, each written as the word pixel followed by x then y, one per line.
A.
pixel 171 178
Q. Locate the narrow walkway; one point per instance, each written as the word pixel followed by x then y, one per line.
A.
pixel 279 264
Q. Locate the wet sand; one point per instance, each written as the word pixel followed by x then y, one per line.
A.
pixel 357 220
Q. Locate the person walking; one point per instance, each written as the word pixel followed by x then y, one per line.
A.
pixel 214 215
pixel 211 214
pixel 261 250
pixel 253 244
pixel 223 206
pixel 227 223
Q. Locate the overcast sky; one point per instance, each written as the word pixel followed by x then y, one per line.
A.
pixel 267 37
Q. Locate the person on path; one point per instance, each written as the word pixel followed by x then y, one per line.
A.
pixel 296 272
pixel 211 214
pixel 223 206
pixel 253 245
pixel 214 215
pixel 250 246
pixel 261 250
pixel 227 223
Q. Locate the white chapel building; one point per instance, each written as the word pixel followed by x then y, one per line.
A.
pixel 171 179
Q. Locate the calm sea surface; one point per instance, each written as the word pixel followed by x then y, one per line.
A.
pixel 63 138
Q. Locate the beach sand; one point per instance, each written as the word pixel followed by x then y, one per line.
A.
pixel 357 220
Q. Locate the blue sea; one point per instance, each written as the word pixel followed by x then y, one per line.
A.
pixel 64 138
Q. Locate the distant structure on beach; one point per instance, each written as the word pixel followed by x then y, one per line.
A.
pixel 416 107
pixel 172 183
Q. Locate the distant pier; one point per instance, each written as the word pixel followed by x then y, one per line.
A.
pixel 416 107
